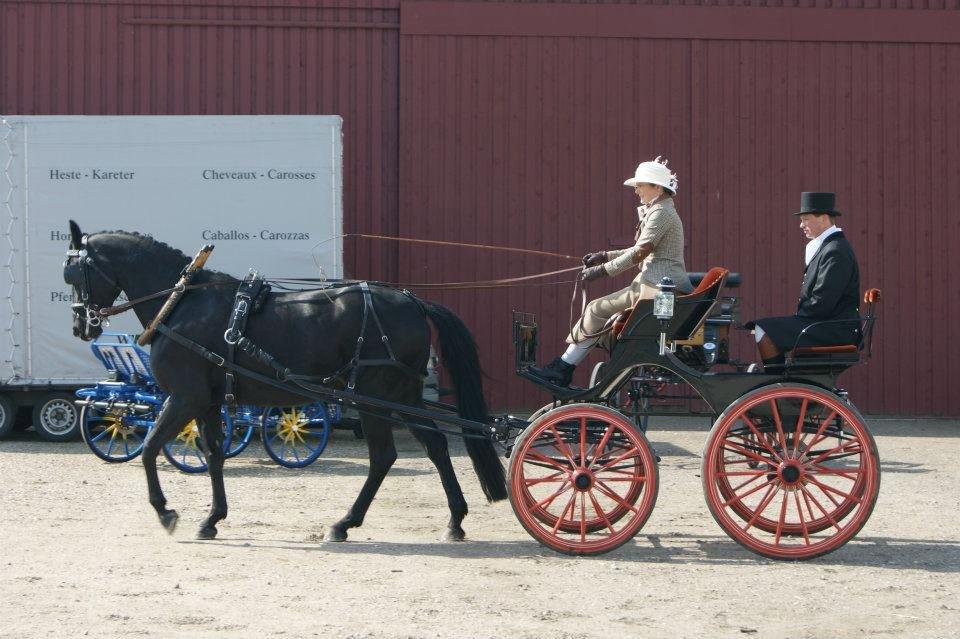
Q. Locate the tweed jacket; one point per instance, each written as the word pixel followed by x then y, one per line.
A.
pixel 830 291
pixel 660 226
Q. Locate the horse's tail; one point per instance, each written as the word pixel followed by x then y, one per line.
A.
pixel 459 352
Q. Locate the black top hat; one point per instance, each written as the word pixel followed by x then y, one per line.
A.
pixel 814 202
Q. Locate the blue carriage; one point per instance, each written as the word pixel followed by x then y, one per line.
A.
pixel 119 411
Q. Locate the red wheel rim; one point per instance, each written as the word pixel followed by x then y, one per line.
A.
pixel 791 472
pixel 582 479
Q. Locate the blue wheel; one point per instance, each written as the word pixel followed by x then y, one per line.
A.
pixel 239 430
pixel 113 435
pixel 295 436
pixel 183 451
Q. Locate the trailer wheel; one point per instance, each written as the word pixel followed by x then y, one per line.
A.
pixel 8 415
pixel 56 418
pixel 790 471
pixel 583 479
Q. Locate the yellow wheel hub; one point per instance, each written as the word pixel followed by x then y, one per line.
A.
pixel 114 425
pixel 291 427
pixel 189 434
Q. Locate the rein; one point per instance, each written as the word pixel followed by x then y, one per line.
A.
pixel 488 247
pixel 126 306
pixel 578 284
pixel 181 287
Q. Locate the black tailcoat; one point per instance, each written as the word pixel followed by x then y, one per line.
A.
pixel 830 290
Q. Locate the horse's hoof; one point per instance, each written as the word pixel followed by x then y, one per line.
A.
pixel 169 520
pixel 335 534
pixel 454 535
pixel 209 532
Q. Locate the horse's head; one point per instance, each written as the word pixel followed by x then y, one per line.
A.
pixel 94 286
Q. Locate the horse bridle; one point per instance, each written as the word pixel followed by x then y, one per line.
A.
pixel 85 260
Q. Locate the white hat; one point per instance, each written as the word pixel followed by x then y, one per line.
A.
pixel 655 172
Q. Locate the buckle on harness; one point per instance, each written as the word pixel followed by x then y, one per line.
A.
pixel 214 358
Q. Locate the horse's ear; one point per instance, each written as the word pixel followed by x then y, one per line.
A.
pixel 76 237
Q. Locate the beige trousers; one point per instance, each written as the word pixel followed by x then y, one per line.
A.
pixel 603 308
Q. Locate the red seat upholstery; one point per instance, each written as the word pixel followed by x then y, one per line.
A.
pixel 847 348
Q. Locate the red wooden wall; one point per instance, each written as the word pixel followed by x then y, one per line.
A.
pixel 515 124
pixel 519 122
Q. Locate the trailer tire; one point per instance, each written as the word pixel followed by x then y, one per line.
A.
pixel 8 415
pixel 56 418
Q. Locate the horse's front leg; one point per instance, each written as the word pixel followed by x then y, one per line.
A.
pixel 213 444
pixel 173 417
pixel 382 453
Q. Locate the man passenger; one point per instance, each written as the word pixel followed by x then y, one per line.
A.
pixel 830 289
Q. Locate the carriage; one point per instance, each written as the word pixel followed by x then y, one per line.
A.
pixel 117 414
pixel 789 470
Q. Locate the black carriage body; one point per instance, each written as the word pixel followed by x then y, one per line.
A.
pixel 702 317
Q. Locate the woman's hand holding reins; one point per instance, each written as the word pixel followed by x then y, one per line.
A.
pixel 593 259
pixel 592 273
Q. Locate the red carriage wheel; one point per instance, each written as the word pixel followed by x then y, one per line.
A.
pixel 583 479
pixel 790 471
pixel 595 523
pixel 631 467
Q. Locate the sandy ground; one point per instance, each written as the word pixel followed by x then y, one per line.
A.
pixel 83 554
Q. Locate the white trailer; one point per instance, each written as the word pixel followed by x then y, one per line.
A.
pixel 265 190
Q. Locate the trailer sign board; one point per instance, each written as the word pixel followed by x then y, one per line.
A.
pixel 265 190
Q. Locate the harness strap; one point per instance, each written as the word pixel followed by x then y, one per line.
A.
pixel 368 301
pixel 195 265
pixel 355 362
pixel 314 392
pixel 250 291
pixel 126 306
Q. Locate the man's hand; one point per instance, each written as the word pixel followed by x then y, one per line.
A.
pixel 592 273
pixel 593 259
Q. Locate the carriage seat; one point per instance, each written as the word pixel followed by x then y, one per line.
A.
pixel 690 310
pixel 733 279
pixel 122 357
pixel 844 354
pixel 726 305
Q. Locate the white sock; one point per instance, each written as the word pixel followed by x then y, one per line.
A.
pixel 578 351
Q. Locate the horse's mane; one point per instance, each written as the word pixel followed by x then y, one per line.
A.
pixel 169 251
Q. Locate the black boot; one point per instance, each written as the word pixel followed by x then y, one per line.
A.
pixel 557 372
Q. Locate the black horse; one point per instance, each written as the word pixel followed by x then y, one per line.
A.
pixel 312 333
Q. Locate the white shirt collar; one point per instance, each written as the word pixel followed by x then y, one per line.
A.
pixel 644 209
pixel 814 245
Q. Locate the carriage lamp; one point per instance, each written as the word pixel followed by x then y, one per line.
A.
pixel 663 300
pixel 663 309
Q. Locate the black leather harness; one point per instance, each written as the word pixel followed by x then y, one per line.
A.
pixel 250 297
